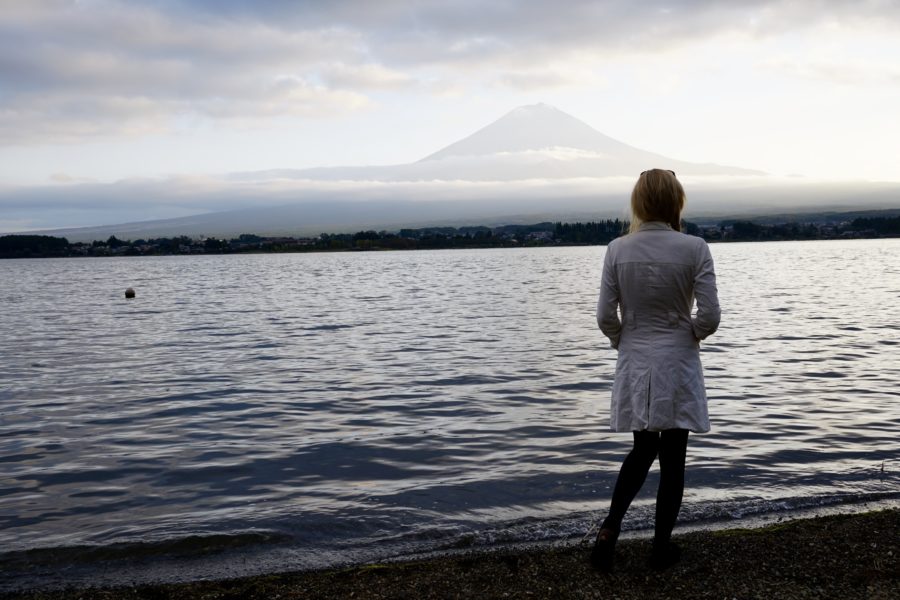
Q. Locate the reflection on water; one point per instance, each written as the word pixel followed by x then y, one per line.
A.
pixel 432 398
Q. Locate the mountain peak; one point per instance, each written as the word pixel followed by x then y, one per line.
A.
pixel 532 110
pixel 529 128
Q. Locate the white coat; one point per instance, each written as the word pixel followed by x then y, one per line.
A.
pixel 651 277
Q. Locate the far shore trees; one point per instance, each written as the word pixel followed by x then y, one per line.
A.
pixel 435 238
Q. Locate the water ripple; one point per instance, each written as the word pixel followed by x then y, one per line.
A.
pixel 385 401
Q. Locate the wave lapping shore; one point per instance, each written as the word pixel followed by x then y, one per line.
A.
pixel 839 556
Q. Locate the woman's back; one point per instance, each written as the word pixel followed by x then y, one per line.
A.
pixel 652 277
pixel 656 271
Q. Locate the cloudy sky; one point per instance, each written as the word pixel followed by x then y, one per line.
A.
pixel 105 92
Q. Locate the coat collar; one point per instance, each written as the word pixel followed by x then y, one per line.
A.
pixel 649 225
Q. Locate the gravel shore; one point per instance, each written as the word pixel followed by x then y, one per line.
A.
pixel 842 556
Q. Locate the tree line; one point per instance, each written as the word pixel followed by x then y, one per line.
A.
pixel 505 236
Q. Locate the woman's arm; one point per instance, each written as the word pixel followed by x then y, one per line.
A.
pixel 708 315
pixel 608 304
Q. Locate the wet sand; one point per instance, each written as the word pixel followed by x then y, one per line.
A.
pixel 840 556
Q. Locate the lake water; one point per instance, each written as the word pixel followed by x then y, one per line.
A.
pixel 274 412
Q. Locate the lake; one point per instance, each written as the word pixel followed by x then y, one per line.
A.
pixel 250 413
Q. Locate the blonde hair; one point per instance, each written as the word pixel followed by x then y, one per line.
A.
pixel 657 196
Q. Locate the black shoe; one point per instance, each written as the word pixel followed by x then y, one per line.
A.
pixel 664 555
pixel 604 550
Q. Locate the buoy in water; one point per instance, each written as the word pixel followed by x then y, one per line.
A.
pixel 129 293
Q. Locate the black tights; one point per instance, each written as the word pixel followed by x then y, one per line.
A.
pixel 671 446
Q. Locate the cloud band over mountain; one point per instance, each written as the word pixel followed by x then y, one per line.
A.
pixel 535 163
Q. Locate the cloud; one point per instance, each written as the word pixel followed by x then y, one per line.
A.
pixel 337 205
pixel 365 77
pixel 528 31
pixel 843 71
pixel 537 79
pixel 92 204
pixel 69 179
pixel 75 70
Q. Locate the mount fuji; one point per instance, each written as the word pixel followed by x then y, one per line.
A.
pixel 557 137
pixel 530 142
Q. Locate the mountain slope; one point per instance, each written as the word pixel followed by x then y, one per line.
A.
pixel 530 142
pixel 535 127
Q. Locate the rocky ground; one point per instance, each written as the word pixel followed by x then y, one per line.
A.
pixel 844 556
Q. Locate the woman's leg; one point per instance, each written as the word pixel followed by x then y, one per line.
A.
pixel 672 450
pixel 631 476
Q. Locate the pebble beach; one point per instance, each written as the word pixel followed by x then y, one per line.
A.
pixel 838 556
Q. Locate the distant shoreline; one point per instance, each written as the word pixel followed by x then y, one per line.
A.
pixel 834 227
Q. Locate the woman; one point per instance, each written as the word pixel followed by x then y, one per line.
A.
pixel 652 277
